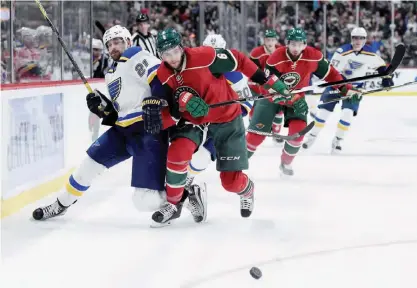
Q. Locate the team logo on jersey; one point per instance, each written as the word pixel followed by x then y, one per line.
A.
pixel 115 87
pixel 291 79
pixel 179 79
pixel 354 65
pixel 182 89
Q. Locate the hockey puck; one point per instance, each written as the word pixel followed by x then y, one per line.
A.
pixel 255 272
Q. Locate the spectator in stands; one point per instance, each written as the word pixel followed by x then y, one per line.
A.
pixel 100 59
pixel 143 37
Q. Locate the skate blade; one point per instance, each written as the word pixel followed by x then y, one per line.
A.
pixel 204 199
pixel 335 152
pixel 160 225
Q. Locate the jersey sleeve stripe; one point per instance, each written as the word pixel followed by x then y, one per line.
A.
pixel 152 73
pixel 153 68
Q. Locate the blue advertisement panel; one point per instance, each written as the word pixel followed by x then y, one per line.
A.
pixel 35 144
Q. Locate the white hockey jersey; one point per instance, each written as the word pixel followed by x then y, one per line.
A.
pixel 239 84
pixel 354 64
pixel 129 81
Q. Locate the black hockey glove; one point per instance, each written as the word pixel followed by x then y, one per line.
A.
pixel 386 81
pixel 99 104
pixel 152 114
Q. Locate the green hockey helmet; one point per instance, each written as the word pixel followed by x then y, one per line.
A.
pixel 296 34
pixel 269 33
pixel 167 39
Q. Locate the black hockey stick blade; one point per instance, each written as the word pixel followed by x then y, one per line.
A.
pixel 100 26
pixel 395 62
pixel 284 137
pixel 396 59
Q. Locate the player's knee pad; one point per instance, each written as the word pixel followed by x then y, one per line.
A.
pixel 181 149
pixel 294 126
pixel 234 181
pixel 254 140
pixel 201 159
pixel 148 200
pixel 87 171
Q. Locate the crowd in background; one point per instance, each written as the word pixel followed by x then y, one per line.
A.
pixel 32 45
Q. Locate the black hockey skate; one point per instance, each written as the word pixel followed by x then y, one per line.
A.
pixel 188 182
pixel 198 202
pixel 247 200
pixel 50 211
pixel 168 212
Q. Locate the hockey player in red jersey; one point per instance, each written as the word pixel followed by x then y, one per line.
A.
pixel 259 55
pixel 194 77
pixel 294 66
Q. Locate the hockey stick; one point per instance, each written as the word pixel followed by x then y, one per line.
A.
pixel 395 62
pixel 283 137
pixel 366 92
pixel 100 27
pixel 64 47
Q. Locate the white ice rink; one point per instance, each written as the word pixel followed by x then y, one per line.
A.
pixel 342 221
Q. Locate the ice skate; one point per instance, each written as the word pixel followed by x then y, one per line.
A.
pixel 247 201
pixel 52 210
pixel 286 170
pixel 188 182
pixel 197 204
pixel 166 214
pixel 310 141
pixel 336 145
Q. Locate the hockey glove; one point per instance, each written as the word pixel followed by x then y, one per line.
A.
pixel 152 114
pixel 386 81
pixel 277 86
pixel 99 104
pixel 299 105
pixel 194 105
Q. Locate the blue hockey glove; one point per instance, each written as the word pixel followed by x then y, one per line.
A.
pixel 152 114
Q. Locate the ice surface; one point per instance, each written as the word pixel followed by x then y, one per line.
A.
pixel 342 221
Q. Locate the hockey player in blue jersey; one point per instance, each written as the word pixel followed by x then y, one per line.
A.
pixel 206 153
pixel 131 78
pixel 351 60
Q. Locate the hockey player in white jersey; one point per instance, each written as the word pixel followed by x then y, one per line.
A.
pixel 131 78
pixel 351 60
pixel 206 152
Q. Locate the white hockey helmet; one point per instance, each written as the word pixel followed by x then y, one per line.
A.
pixel 118 32
pixel 215 41
pixel 358 32
pixel 97 44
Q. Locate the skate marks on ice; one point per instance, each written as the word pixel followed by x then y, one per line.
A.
pixel 207 280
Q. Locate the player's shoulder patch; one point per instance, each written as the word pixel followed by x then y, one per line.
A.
pixel 279 55
pixel 200 56
pixel 129 53
pixel 233 76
